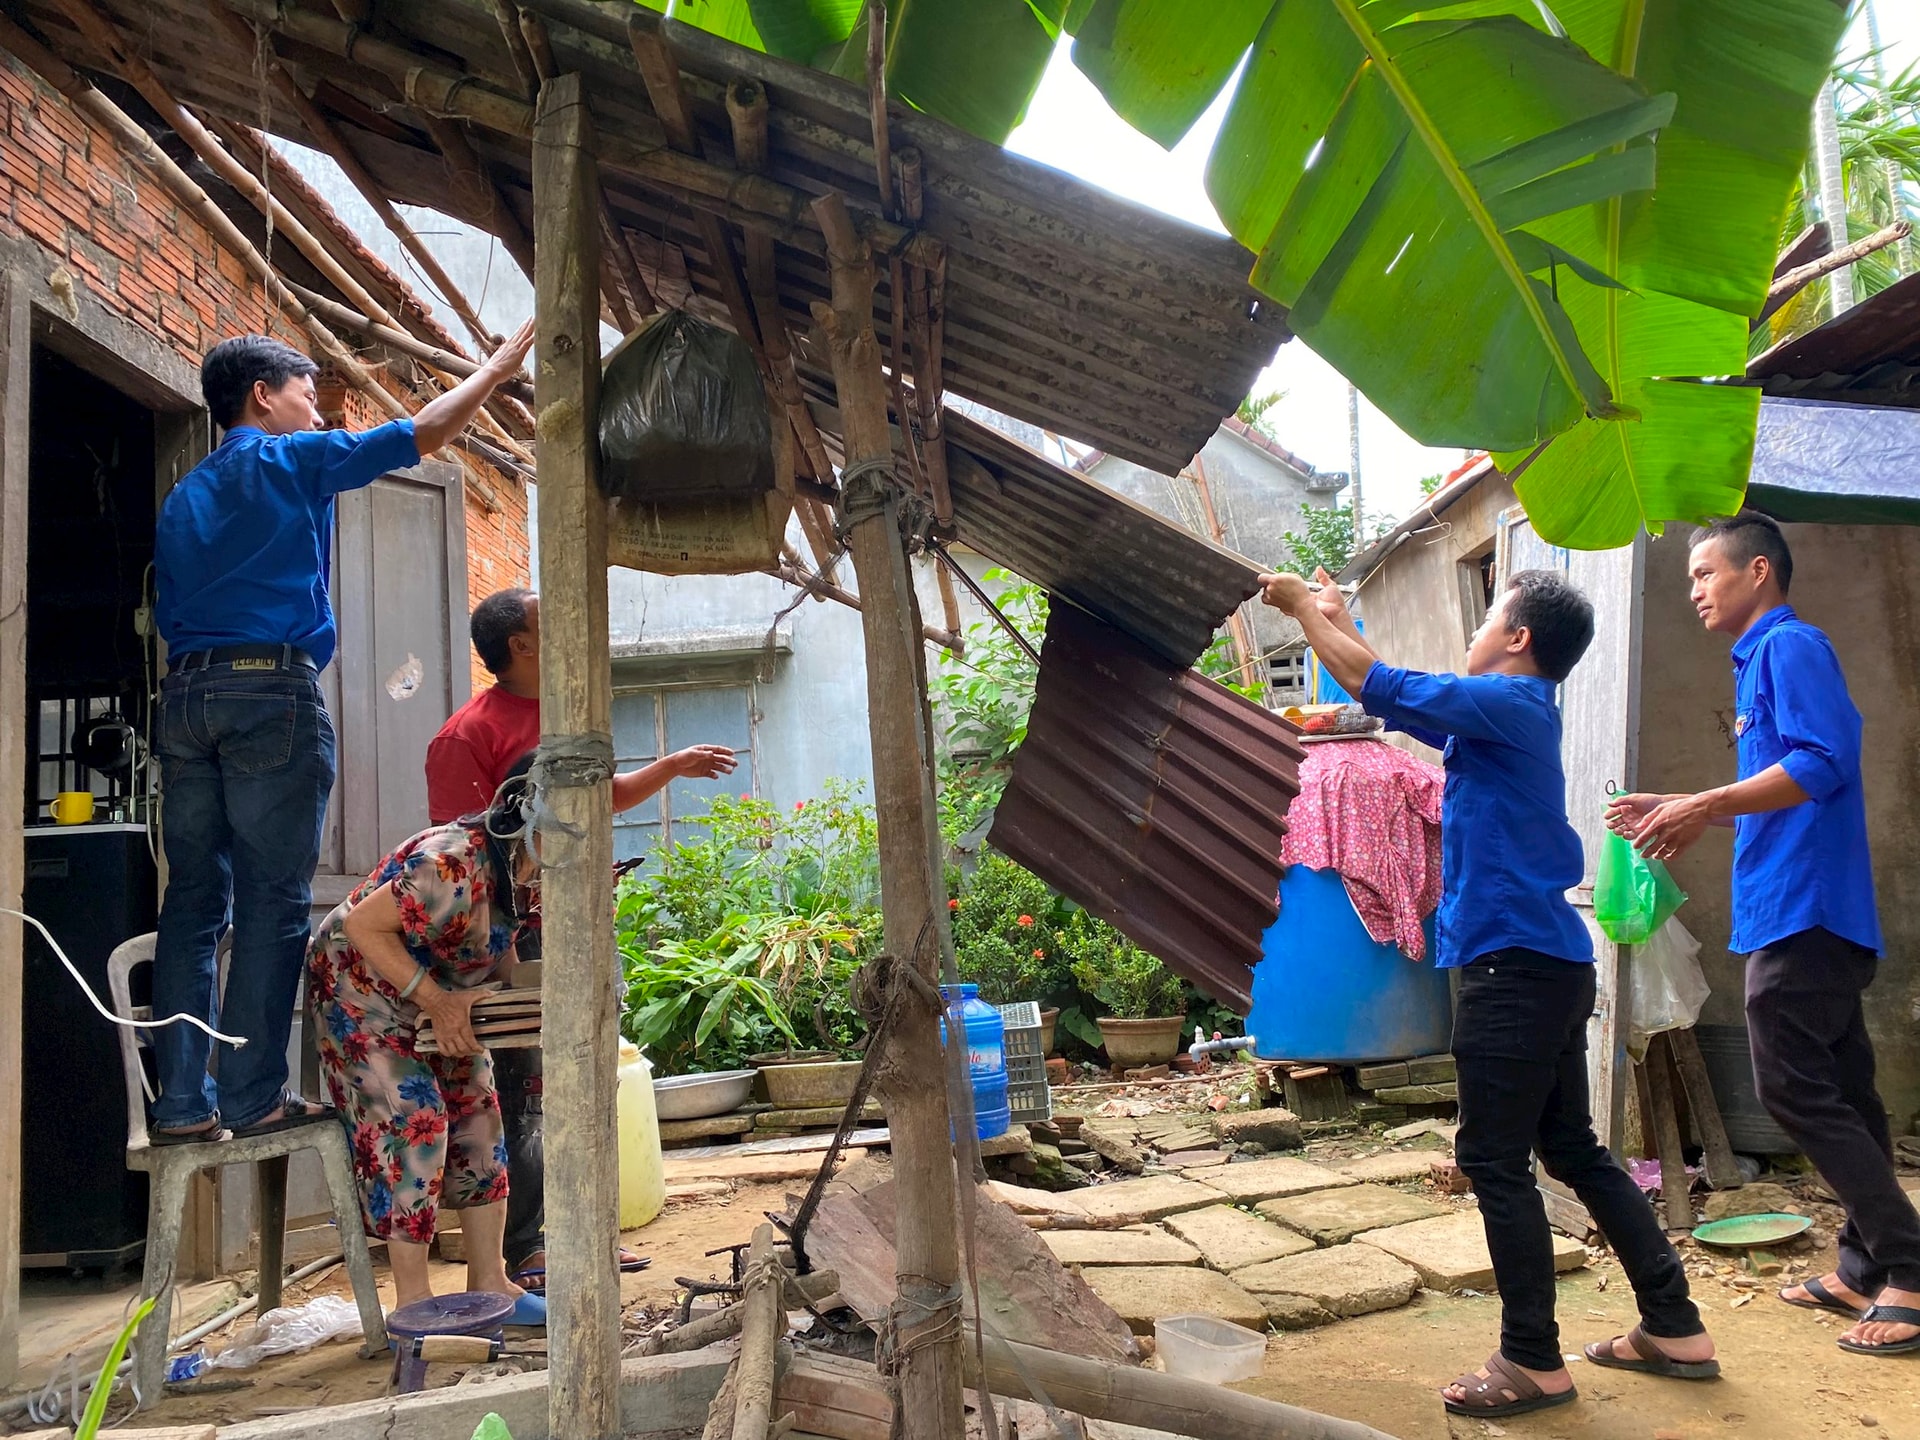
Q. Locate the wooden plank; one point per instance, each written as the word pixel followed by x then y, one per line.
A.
pixel 15 367
pixel 1723 1172
pixel 576 702
pixel 1675 1203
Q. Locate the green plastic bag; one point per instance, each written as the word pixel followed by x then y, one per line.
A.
pixel 1632 895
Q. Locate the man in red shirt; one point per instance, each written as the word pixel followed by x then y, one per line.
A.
pixel 470 756
pixel 466 762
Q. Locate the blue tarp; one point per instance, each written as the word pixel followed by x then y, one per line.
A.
pixel 1828 464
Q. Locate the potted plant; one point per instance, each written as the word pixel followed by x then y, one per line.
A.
pixel 1003 935
pixel 1145 1001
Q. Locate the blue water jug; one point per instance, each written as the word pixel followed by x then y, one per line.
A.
pixel 986 1059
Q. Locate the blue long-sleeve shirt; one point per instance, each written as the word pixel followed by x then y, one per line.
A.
pixel 244 545
pixel 1507 854
pixel 1807 865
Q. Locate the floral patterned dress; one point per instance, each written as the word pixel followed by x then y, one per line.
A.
pixel 425 1130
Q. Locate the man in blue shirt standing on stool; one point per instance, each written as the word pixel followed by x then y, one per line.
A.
pixel 1507 859
pixel 241 557
pixel 1803 915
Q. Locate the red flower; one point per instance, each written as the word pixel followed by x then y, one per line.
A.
pixel 953 904
pixel 1024 921
pixel 798 806
pixel 1039 954
pixel 425 1126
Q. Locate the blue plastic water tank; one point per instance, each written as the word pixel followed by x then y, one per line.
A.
pixel 1328 991
pixel 986 1059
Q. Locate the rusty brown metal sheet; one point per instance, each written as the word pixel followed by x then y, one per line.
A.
pixel 1154 797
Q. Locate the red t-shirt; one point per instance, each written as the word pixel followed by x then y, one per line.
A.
pixel 474 750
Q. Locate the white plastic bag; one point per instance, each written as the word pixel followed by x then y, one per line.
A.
pixel 289 1330
pixel 1668 985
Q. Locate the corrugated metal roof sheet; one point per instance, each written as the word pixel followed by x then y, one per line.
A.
pixel 1154 797
pixel 1065 306
pixel 1870 354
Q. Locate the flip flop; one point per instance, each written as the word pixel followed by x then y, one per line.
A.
pixel 1486 1399
pixel 295 1110
pixel 1653 1360
pixel 210 1134
pixel 1887 1315
pixel 534 1278
pixel 1823 1299
pixel 529 1311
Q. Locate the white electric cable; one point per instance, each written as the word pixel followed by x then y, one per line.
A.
pixel 183 1019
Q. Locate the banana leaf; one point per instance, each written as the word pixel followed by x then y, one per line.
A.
pixel 1386 181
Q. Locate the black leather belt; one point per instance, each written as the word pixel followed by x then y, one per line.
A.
pixel 244 657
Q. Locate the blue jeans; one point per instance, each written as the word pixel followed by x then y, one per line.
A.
pixel 247 761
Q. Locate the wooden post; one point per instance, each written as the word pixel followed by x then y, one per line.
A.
pixel 1676 1203
pixel 1723 1171
pixel 926 1315
pixel 576 705
pixel 14 369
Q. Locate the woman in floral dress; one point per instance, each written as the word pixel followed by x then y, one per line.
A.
pixel 423 935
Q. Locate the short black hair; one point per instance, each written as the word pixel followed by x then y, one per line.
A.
pixel 228 373
pixel 1748 536
pixel 496 620
pixel 1560 618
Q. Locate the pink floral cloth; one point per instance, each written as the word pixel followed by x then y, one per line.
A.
pixel 1372 813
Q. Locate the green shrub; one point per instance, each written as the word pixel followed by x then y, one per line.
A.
pixel 1003 932
pixel 1111 969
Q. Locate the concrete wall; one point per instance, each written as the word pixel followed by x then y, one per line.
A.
pixel 1862 586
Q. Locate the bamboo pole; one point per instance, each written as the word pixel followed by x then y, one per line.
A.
pixel 814 584
pixel 576 701
pixel 925 1319
pixel 877 103
pixel 764 1322
pixel 927 320
pixel 347 318
pixel 329 138
pixel 129 133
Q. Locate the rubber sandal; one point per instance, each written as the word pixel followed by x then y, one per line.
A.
pixel 1888 1315
pixel 1823 1299
pixel 212 1134
pixel 1653 1360
pixel 296 1110
pixel 1486 1399
pixel 529 1311
pixel 533 1280
pixel 632 1264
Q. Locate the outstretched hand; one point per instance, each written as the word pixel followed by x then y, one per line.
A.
pixel 505 362
pixel 1288 594
pixel 703 762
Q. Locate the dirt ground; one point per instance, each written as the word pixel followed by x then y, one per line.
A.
pixel 1784 1377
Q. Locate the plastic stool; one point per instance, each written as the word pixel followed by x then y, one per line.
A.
pixel 471 1312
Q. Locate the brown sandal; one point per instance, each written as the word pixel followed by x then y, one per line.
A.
pixel 1653 1360
pixel 1487 1399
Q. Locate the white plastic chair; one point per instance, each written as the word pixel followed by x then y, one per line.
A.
pixel 171 1167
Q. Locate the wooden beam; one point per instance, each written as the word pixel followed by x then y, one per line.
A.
pixel 1723 1171
pixel 814 584
pixel 474 188
pixel 507 16
pixel 877 105
pixel 912 896
pixel 755 201
pixel 926 324
pixel 327 135
pixel 582 1015
pixel 764 1322
pixel 1785 287
pixel 15 367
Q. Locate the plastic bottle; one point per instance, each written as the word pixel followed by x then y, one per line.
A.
pixel 986 1059
pixel 643 1180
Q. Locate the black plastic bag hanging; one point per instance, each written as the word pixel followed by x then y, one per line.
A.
pixel 683 414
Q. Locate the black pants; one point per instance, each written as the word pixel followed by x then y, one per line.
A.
pixel 1519 1045
pixel 1813 1067
pixel 517 1075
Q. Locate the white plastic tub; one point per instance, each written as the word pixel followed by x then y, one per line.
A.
pixel 1199 1347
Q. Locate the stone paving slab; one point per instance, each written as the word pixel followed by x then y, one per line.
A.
pixel 1333 1217
pixel 1140 1295
pixel 1248 1181
pixel 1295 1312
pixel 1148 1198
pixel 1272 1127
pixel 1025 1200
pixel 1451 1252
pixel 1231 1239
pixel 1392 1167
pixel 1141 1246
pixel 1347 1280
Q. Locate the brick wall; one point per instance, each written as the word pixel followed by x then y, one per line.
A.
pixel 115 229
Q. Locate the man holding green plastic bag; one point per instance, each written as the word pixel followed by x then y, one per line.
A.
pixel 1632 895
pixel 1803 915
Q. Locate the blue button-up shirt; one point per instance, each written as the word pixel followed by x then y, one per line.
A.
pixel 243 549
pixel 1807 865
pixel 1507 854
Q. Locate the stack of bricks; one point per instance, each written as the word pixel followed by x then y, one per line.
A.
pixel 103 223
pixel 1409 1088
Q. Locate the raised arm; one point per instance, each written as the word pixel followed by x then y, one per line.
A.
pixel 445 416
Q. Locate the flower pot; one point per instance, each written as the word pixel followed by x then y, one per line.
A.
pixel 1047 1019
pixel 811 1086
pixel 1133 1043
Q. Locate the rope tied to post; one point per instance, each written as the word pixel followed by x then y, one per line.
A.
pixel 565 762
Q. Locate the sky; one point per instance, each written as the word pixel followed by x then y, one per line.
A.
pixel 1070 127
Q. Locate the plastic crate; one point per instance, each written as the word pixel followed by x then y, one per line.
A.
pixel 1028 1095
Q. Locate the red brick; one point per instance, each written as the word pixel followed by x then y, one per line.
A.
pixel 44 145
pixel 233 267
pixel 177 318
pixel 21 167
pixel 62 122
pixel 60 196
pixel 112 238
pixel 40 222
pixel 14 83
pixel 138 294
pixel 177 255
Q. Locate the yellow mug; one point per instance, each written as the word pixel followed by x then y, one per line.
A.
pixel 72 807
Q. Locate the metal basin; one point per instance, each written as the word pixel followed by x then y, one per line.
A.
pixel 695 1097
